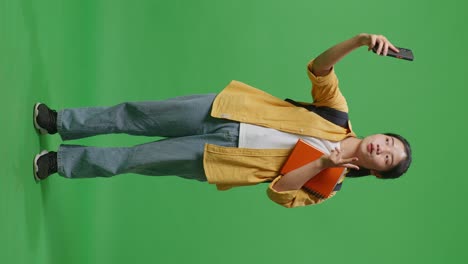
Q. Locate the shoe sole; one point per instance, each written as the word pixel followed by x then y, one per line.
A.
pixel 36 167
pixel 41 130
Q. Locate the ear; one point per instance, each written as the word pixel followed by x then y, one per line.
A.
pixel 376 174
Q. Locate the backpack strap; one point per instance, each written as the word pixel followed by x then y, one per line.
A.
pixel 337 117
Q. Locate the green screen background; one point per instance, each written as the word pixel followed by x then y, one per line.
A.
pixel 85 53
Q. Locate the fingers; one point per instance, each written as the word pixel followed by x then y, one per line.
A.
pixel 385 49
pixel 347 163
pixel 335 157
pixel 335 152
pixel 351 166
pixel 349 160
pixel 393 47
pixel 381 45
pixel 379 48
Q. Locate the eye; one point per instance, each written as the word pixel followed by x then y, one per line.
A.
pixel 386 159
pixel 387 140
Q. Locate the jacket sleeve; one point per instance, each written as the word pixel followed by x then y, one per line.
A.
pixel 326 91
pixel 290 199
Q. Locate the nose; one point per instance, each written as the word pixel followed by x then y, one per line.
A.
pixel 381 149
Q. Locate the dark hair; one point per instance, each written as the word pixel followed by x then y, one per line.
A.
pixel 393 173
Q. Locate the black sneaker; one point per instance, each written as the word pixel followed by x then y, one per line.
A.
pixel 45 164
pixel 45 119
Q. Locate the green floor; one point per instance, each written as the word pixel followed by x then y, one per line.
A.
pixel 84 53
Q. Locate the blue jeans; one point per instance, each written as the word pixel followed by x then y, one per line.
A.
pixel 184 121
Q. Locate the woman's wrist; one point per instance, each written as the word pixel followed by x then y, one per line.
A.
pixel 363 39
pixel 324 162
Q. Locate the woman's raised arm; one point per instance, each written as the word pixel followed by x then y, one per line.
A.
pixel 325 61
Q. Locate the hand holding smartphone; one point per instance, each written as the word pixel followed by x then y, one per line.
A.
pixel 405 54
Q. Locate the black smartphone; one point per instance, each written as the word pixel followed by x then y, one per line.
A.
pixel 405 54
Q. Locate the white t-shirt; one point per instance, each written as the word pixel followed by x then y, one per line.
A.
pixel 258 137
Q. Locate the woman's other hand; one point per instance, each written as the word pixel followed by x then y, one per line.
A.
pixel 335 159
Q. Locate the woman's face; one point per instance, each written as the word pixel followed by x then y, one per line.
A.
pixel 380 152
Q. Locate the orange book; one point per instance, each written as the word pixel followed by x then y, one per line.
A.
pixel 322 184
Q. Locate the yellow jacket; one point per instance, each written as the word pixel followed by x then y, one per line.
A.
pixel 229 167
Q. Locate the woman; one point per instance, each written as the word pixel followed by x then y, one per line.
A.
pixel 241 136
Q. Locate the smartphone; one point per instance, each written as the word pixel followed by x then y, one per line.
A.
pixel 405 54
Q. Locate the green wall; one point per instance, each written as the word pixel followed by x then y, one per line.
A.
pixel 84 53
